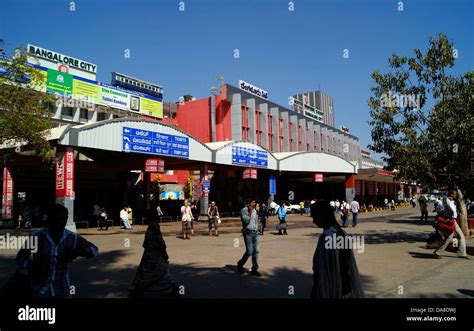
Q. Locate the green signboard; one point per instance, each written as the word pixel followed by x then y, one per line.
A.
pixel 60 82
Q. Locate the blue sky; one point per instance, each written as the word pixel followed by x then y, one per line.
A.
pixel 284 52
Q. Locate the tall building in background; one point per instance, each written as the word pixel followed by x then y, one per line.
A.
pixel 316 105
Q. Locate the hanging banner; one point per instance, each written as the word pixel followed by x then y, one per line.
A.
pixel 7 196
pixel 272 185
pixel 65 175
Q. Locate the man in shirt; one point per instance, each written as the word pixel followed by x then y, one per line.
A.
pixel 355 212
pixel 48 268
pixel 124 218
pixel 249 218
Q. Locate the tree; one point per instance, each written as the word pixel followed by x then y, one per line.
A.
pixel 24 116
pixel 422 118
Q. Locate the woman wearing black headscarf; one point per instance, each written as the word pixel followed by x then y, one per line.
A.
pixel 335 273
pixel 152 278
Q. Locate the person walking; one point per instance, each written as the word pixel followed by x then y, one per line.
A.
pixel 249 218
pixel 159 213
pixel 103 220
pixel 186 220
pixel 338 205
pixel 451 213
pixel 344 213
pixel 423 202
pixel 302 207
pixel 124 218
pixel 335 272
pixel 355 212
pixel 262 216
pixel 282 225
pixel 214 217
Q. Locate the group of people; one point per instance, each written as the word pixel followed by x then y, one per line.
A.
pixel 345 209
pixel 335 273
pixel 101 217
pixel 153 279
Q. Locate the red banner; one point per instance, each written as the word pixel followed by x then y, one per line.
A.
pixel 318 178
pixel 249 173
pixel 65 175
pixel 155 165
pixel 7 196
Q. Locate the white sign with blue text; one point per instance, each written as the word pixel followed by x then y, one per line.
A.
pixel 151 142
pixel 242 155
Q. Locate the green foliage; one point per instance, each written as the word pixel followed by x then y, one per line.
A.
pixel 429 139
pixel 24 116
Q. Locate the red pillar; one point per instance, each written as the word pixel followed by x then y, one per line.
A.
pixel 350 187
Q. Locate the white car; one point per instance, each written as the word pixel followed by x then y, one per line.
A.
pixel 289 208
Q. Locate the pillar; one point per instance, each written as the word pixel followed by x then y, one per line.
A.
pixel 236 116
pixel 65 183
pixel 350 187
pixel 204 202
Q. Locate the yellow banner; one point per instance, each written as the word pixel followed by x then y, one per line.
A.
pixel 84 91
pixel 151 107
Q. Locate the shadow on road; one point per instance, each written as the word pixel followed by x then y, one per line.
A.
pixel 383 237
pixel 469 293
pixel 421 255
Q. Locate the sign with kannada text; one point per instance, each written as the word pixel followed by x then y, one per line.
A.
pixel 242 155
pixel 151 142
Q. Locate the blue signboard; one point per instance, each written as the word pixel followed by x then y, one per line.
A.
pixel 249 156
pixel 151 142
pixel 206 183
pixel 273 185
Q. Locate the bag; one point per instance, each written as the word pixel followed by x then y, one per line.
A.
pixel 444 224
pixel 218 220
pixel 282 226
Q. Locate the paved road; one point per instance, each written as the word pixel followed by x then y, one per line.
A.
pixel 393 263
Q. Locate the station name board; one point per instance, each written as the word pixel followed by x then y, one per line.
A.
pixel 243 85
pixel 51 56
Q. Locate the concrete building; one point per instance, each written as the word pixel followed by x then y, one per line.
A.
pixel 316 105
